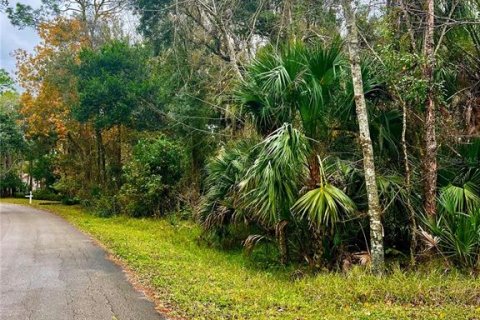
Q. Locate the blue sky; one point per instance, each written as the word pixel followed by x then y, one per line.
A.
pixel 11 38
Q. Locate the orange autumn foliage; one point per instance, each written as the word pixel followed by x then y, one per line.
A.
pixel 44 113
pixel 48 86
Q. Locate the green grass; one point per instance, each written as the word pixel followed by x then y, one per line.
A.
pixel 203 283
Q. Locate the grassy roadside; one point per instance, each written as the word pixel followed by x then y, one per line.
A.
pixel 204 283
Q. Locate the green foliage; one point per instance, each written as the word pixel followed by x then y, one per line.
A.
pixel 464 198
pixel 455 232
pixel 11 136
pixel 221 202
pixel 189 115
pixel 457 235
pixel 160 31
pixel 6 82
pixel 12 146
pixel 297 92
pixel 46 194
pixel 157 30
pixel 461 166
pixel 296 78
pixel 385 130
pixel 23 15
pixel 152 178
pixel 67 187
pixel 106 206
pixel 460 179
pixel 113 85
pixel 43 169
pixel 272 183
pixel 324 205
pixel 10 180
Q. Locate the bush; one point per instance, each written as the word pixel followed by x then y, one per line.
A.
pixel 455 232
pixel 46 194
pixel 456 235
pixel 10 183
pixel 152 178
pixel 221 215
pixel 106 206
pixel 67 187
pixel 70 201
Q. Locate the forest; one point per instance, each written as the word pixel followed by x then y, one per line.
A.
pixel 318 134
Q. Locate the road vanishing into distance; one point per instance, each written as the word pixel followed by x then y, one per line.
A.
pixel 50 270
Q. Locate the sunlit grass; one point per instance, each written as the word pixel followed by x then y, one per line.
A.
pixel 204 283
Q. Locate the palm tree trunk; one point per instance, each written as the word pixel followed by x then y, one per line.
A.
pixel 281 232
pixel 430 157
pixel 374 211
pixel 317 235
pixel 314 171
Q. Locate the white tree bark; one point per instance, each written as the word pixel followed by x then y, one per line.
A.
pixel 430 157
pixel 374 211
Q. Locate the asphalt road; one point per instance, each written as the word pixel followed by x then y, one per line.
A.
pixel 50 270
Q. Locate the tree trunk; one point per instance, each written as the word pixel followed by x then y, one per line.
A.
pixel 118 159
pixel 230 44
pixel 430 157
pixel 317 246
pixel 314 171
pixel 374 211
pixel 30 177
pixel 408 186
pixel 286 23
pixel 100 157
pixel 409 26
pixel 281 233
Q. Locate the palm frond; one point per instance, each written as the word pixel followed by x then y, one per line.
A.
pixel 324 205
pixel 460 198
pixel 295 78
pixel 253 240
pixel 430 241
pixel 457 236
pixel 272 183
pixel 219 206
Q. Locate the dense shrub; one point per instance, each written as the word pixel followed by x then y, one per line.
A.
pixel 67 187
pixel 71 190
pixel 46 194
pixel 222 217
pixel 224 172
pixel 152 178
pixel 455 232
pixel 43 169
pixel 10 183
pixel 106 206
pixel 456 236
pixel 11 147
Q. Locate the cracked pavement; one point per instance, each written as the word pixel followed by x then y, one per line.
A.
pixel 50 270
